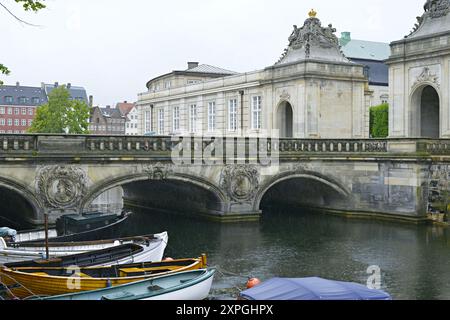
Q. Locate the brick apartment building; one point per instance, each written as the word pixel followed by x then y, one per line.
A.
pixel 18 104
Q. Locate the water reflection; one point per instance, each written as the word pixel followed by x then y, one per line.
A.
pixel 415 260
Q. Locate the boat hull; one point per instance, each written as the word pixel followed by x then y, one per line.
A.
pixel 187 286
pixel 23 284
pixel 27 253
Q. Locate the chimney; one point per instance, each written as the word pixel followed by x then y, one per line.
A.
pixel 192 65
pixel 108 107
pixel 42 85
pixel 17 84
pixel 56 84
pixel 91 101
pixel 125 101
pixel 69 85
pixel 346 37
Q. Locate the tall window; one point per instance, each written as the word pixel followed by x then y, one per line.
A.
pixel 148 121
pixel 211 116
pixel 161 121
pixel 2 110
pixel 193 118
pixel 24 122
pixel 24 111
pixel 9 110
pixel 9 122
pixel 232 115
pixel 30 111
pixel 176 119
pixel 256 113
pixel 16 111
pixel 2 122
pixel 16 122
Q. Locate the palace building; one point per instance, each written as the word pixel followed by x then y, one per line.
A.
pixel 419 77
pixel 313 91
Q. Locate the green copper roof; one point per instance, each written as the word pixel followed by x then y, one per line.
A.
pixel 360 49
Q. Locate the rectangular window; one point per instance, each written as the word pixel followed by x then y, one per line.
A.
pixel 232 115
pixel 9 110
pixel 2 122
pixel 211 116
pixel 36 101
pixel 24 122
pixel 30 122
pixel 9 122
pixel 193 118
pixel 16 122
pixel 2 110
pixel 256 113
pixel 148 121
pixel 16 110
pixel 161 121
pixel 24 111
pixel 176 119
pixel 9 99
pixel 167 84
pixel 30 111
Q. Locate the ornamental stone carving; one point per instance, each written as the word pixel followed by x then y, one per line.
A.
pixel 312 41
pixel 427 76
pixel 61 187
pixel 157 171
pixel 241 182
pixel 437 8
pixel 285 96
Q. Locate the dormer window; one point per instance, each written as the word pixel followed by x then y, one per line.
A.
pixel 36 100
pixel 23 100
pixel 8 99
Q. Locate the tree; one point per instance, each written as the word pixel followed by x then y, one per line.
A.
pixel 61 114
pixel 379 121
pixel 28 5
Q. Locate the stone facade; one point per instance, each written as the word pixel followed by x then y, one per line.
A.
pixel 313 91
pixel 420 77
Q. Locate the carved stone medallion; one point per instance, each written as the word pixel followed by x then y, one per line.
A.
pixel 241 182
pixel 157 171
pixel 61 187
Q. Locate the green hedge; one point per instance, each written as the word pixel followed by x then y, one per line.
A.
pixel 379 121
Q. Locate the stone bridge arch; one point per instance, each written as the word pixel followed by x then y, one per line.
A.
pixel 300 174
pixel 161 174
pixel 23 192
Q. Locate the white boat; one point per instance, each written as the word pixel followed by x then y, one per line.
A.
pixel 187 286
pixel 153 249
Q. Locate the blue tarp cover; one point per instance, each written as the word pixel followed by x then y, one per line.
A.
pixel 7 232
pixel 312 289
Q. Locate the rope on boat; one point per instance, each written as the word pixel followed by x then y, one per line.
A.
pixel 17 282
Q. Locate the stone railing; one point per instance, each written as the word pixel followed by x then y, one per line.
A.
pixel 71 145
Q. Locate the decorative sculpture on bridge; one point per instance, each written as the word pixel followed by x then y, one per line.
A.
pixel 241 182
pixel 61 187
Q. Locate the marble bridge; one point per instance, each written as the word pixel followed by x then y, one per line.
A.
pixel 392 178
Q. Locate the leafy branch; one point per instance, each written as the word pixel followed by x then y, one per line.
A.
pixel 28 5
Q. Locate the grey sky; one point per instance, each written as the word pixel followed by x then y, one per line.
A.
pixel 114 47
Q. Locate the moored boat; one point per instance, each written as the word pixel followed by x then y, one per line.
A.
pixel 311 289
pixel 25 282
pixel 150 250
pixel 17 252
pixel 188 285
pixel 85 227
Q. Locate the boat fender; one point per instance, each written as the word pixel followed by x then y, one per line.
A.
pixel 108 283
pixel 253 282
pixel 168 259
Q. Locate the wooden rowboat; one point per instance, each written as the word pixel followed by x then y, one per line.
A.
pixel 27 282
pixel 188 286
pixel 18 252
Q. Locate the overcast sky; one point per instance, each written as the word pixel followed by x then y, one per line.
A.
pixel 113 47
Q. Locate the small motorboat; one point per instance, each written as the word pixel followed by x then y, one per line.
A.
pixel 149 250
pixel 188 286
pixel 37 281
pixel 17 252
pixel 73 227
pixel 311 289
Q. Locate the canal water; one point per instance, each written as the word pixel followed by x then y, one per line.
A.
pixel 414 260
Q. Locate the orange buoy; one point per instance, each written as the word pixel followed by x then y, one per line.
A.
pixel 253 282
pixel 168 259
